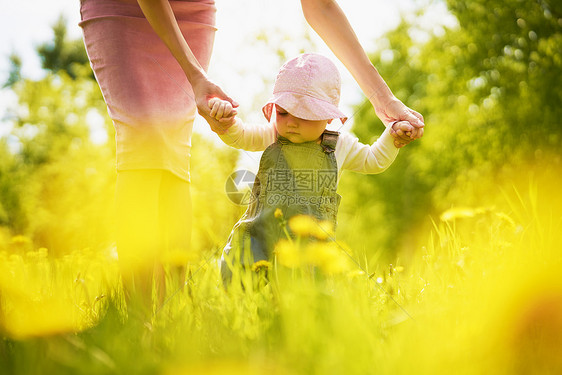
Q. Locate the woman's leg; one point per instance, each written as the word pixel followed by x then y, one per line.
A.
pixel 175 224
pixel 153 220
pixel 138 236
pixel 150 102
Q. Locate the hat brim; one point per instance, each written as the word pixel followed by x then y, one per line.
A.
pixel 303 106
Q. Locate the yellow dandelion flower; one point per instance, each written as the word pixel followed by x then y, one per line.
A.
pixel 303 225
pixel 45 317
pixel 328 257
pixel 261 265
pixel 32 314
pixel 323 230
pixel 287 254
pixel 278 213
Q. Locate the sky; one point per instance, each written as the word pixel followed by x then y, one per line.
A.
pixel 243 65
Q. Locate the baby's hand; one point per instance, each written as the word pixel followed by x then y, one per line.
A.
pixel 222 115
pixel 222 111
pixel 404 133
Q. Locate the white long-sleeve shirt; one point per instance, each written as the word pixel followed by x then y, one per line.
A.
pixel 350 153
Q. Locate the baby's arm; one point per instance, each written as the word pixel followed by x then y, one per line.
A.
pixel 237 134
pixel 376 158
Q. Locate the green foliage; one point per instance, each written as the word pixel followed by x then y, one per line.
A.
pixel 15 70
pixel 489 90
pixel 474 304
pixel 57 185
pixel 57 181
pixel 61 53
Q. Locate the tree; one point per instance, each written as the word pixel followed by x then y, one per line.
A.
pixel 15 70
pixel 490 93
pixel 57 186
pixel 61 53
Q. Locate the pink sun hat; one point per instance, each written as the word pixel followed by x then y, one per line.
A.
pixel 308 87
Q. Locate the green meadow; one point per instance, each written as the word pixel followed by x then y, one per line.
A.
pixel 448 262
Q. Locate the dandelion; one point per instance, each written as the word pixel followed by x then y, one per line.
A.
pixel 31 313
pixel 303 225
pixel 45 317
pixel 261 265
pixel 323 230
pixel 278 213
pixel 328 257
pixel 287 254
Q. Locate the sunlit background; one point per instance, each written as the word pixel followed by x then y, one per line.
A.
pixel 446 263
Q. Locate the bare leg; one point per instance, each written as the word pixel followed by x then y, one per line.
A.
pixel 175 215
pixel 138 235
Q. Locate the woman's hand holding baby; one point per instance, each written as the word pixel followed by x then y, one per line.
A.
pixel 395 110
pixel 404 133
pixel 222 115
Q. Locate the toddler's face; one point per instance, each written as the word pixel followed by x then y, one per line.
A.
pixel 298 130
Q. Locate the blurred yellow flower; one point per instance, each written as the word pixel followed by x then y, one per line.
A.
pixel 303 225
pixel 323 230
pixel 278 213
pixel 31 318
pixel 328 257
pixel 288 254
pixel 26 312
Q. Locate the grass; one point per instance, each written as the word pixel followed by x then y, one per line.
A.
pixel 482 295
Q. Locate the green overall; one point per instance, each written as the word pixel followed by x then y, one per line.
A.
pixel 298 179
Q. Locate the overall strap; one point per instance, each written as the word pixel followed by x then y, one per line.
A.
pixel 329 140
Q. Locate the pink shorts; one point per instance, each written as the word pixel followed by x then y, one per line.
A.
pixel 147 94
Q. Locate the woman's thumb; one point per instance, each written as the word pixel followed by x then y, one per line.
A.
pixel 413 120
pixel 224 96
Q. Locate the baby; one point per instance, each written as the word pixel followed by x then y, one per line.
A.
pixel 302 161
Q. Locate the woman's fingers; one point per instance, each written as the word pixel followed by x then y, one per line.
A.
pixel 402 130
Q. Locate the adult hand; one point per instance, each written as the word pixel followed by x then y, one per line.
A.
pixel 395 110
pixel 204 90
